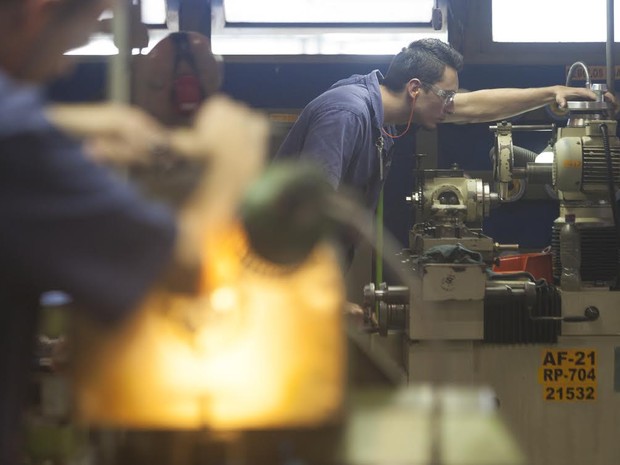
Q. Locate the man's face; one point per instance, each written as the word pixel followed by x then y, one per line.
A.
pixel 55 33
pixel 434 101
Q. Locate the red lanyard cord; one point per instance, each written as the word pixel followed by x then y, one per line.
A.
pixel 406 129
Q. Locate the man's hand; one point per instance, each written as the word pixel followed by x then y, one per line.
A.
pixel 564 94
pixel 228 136
pixel 113 133
pixel 232 140
pixel 611 98
pixel 354 314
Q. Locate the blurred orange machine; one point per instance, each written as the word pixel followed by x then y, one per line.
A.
pixel 256 348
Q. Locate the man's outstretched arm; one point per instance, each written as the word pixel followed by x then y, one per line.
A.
pixel 496 104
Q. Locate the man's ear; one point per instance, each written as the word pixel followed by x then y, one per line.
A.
pixel 413 87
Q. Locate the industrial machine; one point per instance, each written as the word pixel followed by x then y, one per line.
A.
pixel 543 331
pixel 252 369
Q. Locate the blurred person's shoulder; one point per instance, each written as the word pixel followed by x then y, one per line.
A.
pixel 21 108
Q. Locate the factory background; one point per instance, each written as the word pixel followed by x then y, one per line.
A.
pixel 517 333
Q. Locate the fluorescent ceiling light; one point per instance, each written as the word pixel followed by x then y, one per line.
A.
pixel 332 43
pixel 328 11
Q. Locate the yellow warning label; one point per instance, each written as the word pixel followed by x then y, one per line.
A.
pixel 568 375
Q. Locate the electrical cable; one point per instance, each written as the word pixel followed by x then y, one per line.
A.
pixel 398 136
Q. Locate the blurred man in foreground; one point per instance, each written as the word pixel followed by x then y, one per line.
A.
pixel 67 223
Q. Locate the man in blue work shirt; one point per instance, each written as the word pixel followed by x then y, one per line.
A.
pixel 349 129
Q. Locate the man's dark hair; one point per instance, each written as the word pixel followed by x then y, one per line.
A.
pixel 425 59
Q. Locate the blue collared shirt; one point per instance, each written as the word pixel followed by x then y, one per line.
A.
pixel 340 130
